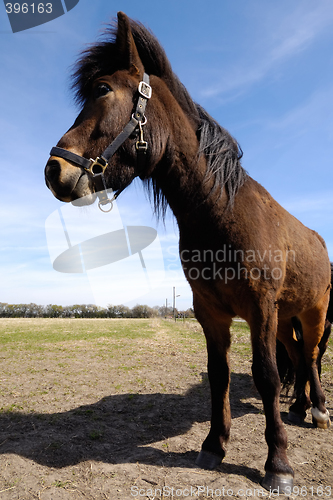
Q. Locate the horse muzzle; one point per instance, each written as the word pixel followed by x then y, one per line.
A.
pixel 68 182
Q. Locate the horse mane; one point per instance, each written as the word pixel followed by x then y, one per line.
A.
pixel 102 58
pixel 223 155
pixel 221 151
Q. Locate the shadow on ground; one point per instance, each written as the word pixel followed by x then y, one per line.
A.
pixel 120 428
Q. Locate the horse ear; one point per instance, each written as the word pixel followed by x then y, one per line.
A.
pixel 128 52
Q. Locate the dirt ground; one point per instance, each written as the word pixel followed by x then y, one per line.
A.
pixel 125 418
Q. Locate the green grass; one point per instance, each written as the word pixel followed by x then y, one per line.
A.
pixel 33 332
pixel 49 363
pixel 41 335
pixel 38 334
pixel 327 364
pixel 241 339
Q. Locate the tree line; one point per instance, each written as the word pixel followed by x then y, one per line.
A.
pixel 88 311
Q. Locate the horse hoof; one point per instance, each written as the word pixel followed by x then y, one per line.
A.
pixel 208 460
pixel 295 418
pixel 321 425
pixel 319 419
pixel 278 483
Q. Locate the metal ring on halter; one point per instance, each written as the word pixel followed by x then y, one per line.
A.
pixel 141 123
pixel 99 162
pixel 102 203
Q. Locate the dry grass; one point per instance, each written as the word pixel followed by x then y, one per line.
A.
pixel 91 408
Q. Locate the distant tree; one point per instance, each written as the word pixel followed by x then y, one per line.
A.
pixel 165 311
pixel 110 311
pixel 3 309
pixel 123 312
pixel 189 313
pixel 143 311
pixel 88 311
pixel 67 312
pixel 119 311
pixel 33 310
pixel 53 311
pixel 76 310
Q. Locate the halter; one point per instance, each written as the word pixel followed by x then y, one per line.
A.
pixel 97 167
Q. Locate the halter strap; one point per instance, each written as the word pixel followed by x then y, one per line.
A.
pixel 68 155
pixel 97 167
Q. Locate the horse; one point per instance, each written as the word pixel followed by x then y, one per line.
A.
pixel 242 253
pixel 298 377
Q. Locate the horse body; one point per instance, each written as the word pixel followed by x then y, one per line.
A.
pixel 242 253
pixel 272 240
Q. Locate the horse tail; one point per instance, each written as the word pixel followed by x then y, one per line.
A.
pixel 285 367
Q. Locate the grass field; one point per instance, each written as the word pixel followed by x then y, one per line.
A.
pixel 91 407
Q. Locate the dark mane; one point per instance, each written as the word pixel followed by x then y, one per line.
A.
pixel 102 58
pixel 223 155
pixel 220 149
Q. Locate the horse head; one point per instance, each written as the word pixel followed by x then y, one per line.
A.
pixel 113 87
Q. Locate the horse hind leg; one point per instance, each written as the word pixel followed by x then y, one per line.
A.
pixel 323 344
pixel 323 341
pixel 313 324
pixel 294 348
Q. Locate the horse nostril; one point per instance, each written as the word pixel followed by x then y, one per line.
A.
pixel 52 170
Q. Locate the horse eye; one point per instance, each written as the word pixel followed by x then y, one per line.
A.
pixel 101 90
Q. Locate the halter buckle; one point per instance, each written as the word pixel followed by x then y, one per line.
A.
pixel 145 90
pixel 141 146
pixel 97 166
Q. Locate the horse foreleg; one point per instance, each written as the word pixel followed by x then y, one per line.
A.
pixel 218 343
pixel 279 474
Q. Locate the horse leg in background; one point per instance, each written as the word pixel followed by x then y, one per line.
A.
pixel 294 348
pixel 323 344
pixel 323 341
pixel 217 332
pixel 328 325
pixel 313 322
pixel 263 326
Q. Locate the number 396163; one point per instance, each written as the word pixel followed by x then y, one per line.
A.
pixel 25 8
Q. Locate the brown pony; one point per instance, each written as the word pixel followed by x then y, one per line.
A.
pixel 242 253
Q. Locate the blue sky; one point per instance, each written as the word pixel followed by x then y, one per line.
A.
pixel 263 70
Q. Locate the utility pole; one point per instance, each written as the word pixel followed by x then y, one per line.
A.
pixel 174 302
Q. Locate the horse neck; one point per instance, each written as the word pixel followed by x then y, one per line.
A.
pixel 181 174
pixel 182 178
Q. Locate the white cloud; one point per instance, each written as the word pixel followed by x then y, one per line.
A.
pixel 291 33
pixel 314 115
pixel 318 202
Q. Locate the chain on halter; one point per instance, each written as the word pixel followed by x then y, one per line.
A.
pixel 97 167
